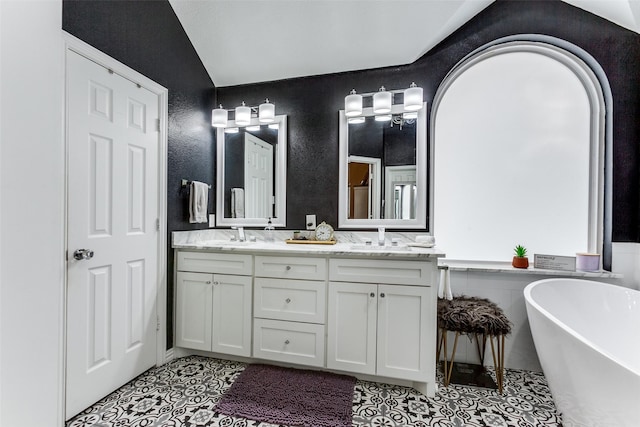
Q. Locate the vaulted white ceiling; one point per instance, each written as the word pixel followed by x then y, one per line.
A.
pixel 249 41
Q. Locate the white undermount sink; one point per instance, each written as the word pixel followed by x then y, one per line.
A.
pixel 376 248
pixel 226 243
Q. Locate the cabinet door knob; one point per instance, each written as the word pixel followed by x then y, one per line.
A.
pixel 208 282
pixel 286 342
pixel 288 267
pixel 288 300
pixel 382 295
pixel 216 283
pixel 372 295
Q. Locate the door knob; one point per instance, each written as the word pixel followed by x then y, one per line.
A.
pixel 81 254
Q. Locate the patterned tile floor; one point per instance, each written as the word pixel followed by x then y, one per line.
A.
pixel 184 392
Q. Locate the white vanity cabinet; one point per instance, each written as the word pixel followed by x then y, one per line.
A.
pixel 289 309
pixel 378 326
pixel 365 313
pixel 213 302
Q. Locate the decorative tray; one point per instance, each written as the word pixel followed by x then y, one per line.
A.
pixel 312 242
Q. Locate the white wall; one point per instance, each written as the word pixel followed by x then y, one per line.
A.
pixel 626 261
pixel 506 290
pixel 32 217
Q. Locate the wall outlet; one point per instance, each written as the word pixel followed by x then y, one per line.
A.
pixel 212 220
pixel 311 222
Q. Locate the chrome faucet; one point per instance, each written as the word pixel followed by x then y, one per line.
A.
pixel 380 236
pixel 241 236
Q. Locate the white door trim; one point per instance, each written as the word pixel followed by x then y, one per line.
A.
pixel 72 43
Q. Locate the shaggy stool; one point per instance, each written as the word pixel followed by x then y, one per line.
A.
pixel 476 317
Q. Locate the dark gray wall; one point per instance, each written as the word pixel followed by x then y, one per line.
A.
pixel 312 103
pixel 147 36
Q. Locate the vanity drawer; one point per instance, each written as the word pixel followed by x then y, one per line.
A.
pixel 291 342
pixel 381 271
pixel 208 262
pixel 281 267
pixel 286 299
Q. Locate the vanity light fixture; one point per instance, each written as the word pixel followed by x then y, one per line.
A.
pixel 266 113
pixel 253 128
pixel 353 104
pixel 413 98
pixel 231 130
pixel 382 101
pixel 219 117
pixel 243 115
pixel 383 104
pixel 274 126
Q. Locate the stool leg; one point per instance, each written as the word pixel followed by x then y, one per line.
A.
pixel 439 348
pixel 498 359
pixel 481 350
pixel 445 365
pixel 501 362
pixel 453 353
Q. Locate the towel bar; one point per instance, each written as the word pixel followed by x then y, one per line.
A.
pixel 185 183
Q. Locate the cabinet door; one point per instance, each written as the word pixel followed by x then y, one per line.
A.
pixel 351 336
pixel 404 316
pixel 231 315
pixel 193 310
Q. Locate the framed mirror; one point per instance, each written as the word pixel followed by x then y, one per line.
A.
pixel 251 174
pixel 383 171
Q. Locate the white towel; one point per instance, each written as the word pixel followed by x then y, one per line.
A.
pixel 198 202
pixel 444 290
pixel 237 203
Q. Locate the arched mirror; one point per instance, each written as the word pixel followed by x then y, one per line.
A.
pixel 383 170
pixel 252 167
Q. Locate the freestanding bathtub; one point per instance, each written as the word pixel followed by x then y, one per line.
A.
pixel 587 335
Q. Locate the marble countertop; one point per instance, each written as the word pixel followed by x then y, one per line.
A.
pixel 348 244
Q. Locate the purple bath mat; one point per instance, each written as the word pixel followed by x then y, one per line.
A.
pixel 292 397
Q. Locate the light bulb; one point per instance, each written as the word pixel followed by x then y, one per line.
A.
pixel 413 98
pixel 382 101
pixel 266 112
pixel 219 117
pixel 243 115
pixel 352 104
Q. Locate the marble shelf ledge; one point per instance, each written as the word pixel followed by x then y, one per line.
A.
pixel 505 267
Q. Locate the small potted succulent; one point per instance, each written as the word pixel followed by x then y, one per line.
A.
pixel 520 260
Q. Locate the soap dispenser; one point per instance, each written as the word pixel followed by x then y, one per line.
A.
pixel 268 232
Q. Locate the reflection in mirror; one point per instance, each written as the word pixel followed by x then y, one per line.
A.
pixel 251 174
pixel 383 172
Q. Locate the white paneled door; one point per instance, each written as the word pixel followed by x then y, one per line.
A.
pixel 258 177
pixel 113 143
